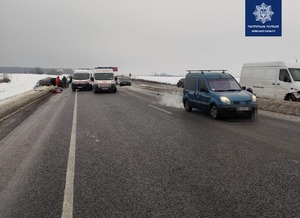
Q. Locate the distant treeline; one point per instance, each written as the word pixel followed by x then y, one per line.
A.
pixel 36 70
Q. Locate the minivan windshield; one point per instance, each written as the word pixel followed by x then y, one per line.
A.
pixel 224 85
pixel 295 72
pixel 81 76
pixel 104 76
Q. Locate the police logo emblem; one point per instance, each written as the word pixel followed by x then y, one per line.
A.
pixel 263 13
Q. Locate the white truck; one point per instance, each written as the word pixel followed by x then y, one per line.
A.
pixel 81 79
pixel 277 80
pixel 103 79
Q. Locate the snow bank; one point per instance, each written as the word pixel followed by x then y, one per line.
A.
pixel 12 104
pixel 20 83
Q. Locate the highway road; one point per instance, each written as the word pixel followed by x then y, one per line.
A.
pixel 82 154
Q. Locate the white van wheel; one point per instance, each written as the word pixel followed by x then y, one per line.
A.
pixel 213 112
pixel 290 97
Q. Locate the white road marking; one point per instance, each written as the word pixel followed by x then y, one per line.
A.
pixel 157 108
pixel 124 95
pixel 69 188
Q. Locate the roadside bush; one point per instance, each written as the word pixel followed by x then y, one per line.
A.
pixel 5 78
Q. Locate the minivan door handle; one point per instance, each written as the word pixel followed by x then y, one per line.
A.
pixel 273 84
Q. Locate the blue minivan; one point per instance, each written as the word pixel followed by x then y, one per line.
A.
pixel 218 93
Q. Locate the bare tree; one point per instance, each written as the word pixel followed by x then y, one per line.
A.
pixel 5 78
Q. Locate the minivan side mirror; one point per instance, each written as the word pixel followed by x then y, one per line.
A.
pixel 244 87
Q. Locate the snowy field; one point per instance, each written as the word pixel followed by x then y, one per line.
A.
pixel 168 79
pixel 19 84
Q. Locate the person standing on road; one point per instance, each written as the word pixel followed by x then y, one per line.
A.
pixel 64 79
pixel 57 81
pixel 70 80
pixel 53 81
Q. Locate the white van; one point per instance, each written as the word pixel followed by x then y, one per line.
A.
pixel 103 80
pixel 81 79
pixel 278 80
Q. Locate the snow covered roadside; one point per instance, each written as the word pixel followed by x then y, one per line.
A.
pixel 20 92
pixel 20 83
pixel 10 105
pixel 279 106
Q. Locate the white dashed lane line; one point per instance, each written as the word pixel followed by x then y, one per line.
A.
pixel 69 187
pixel 157 108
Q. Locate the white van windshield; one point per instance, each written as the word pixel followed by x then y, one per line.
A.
pixel 295 72
pixel 81 76
pixel 224 85
pixel 104 76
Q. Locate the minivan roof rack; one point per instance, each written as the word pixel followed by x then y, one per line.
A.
pixel 204 71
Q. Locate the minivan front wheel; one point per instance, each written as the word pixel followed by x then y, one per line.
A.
pixel 187 106
pixel 213 112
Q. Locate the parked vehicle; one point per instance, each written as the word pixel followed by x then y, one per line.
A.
pixel 44 82
pixel 278 80
pixel 124 81
pixel 103 80
pixel 48 81
pixel 81 79
pixel 180 83
pixel 218 93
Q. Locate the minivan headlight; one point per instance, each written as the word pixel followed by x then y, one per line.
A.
pixel 225 100
pixel 253 98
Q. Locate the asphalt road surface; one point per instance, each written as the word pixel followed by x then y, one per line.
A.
pixel 127 154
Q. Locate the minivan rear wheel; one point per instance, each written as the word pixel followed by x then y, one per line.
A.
pixel 213 112
pixel 187 106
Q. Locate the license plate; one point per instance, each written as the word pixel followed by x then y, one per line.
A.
pixel 243 108
pixel 104 88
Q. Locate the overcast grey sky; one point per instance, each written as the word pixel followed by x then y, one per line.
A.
pixel 140 36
